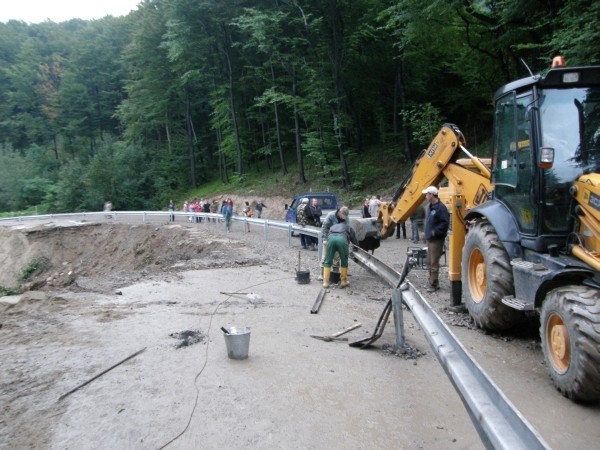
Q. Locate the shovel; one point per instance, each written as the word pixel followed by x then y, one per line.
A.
pixel 366 342
pixel 336 336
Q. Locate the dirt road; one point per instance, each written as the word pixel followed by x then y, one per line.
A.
pixel 147 286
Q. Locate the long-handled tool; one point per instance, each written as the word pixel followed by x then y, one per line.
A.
pixel 336 336
pixel 385 315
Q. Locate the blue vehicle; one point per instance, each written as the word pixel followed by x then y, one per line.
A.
pixel 326 200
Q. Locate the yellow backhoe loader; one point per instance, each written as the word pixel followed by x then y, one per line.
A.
pixel 525 234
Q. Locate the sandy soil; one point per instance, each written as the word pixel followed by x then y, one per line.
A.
pixel 105 292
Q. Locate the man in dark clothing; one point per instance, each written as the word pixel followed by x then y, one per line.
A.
pixel 401 227
pixel 416 222
pixel 436 229
pixel 315 220
pixel 303 218
pixel 258 208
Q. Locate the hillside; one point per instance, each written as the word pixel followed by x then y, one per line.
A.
pixel 378 171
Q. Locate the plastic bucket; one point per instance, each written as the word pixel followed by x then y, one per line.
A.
pixel 237 342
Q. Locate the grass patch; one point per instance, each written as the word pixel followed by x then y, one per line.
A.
pixel 37 265
pixel 5 291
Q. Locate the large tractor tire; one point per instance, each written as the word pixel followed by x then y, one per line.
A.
pixel 570 331
pixel 487 278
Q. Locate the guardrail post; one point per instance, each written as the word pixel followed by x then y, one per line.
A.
pixel 398 317
pixel 320 245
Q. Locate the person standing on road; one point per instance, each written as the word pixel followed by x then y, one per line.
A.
pixel 214 206
pixel 374 206
pixel 247 213
pixel 303 219
pixel 436 229
pixel 258 208
pixel 339 236
pixel 401 226
pixel 331 219
pixel 171 211
pixel 315 220
pixel 416 222
pixel 227 211
pixel 108 208
pixel 365 209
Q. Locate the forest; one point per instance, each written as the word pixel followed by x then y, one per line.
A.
pixel 181 93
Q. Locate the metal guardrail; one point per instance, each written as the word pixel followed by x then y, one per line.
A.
pixel 499 424
pixel 198 219
pixel 148 217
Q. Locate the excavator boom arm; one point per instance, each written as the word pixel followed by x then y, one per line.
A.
pixel 435 163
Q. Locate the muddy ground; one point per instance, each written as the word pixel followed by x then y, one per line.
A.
pixel 105 291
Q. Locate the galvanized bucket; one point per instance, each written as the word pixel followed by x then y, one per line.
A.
pixel 237 342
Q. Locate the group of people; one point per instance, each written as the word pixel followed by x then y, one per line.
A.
pixel 308 213
pixel 195 206
pixel 370 207
pixel 207 206
pixel 337 235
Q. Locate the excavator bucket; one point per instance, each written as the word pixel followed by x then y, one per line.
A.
pixel 367 233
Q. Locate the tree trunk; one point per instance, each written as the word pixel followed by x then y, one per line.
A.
pixel 234 118
pixel 284 170
pixel 400 97
pixel 168 132
pixel 190 137
pixel 266 142
pixel 55 146
pixel 338 116
pixel 222 162
pixel 299 156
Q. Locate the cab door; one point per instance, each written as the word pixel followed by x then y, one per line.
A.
pixel 513 174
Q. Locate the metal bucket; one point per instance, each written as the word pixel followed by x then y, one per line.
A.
pixel 237 342
pixel 303 276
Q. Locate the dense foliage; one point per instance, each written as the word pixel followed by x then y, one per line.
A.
pixel 182 92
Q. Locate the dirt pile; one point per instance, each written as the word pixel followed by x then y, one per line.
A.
pixel 104 257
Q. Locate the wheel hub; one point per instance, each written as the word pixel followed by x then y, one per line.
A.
pixel 480 274
pixel 477 276
pixel 558 343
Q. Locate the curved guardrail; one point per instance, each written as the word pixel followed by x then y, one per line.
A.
pixel 499 424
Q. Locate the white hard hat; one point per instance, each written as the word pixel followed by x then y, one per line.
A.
pixel 430 190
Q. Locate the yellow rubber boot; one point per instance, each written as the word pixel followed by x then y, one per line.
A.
pixel 326 273
pixel 344 277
